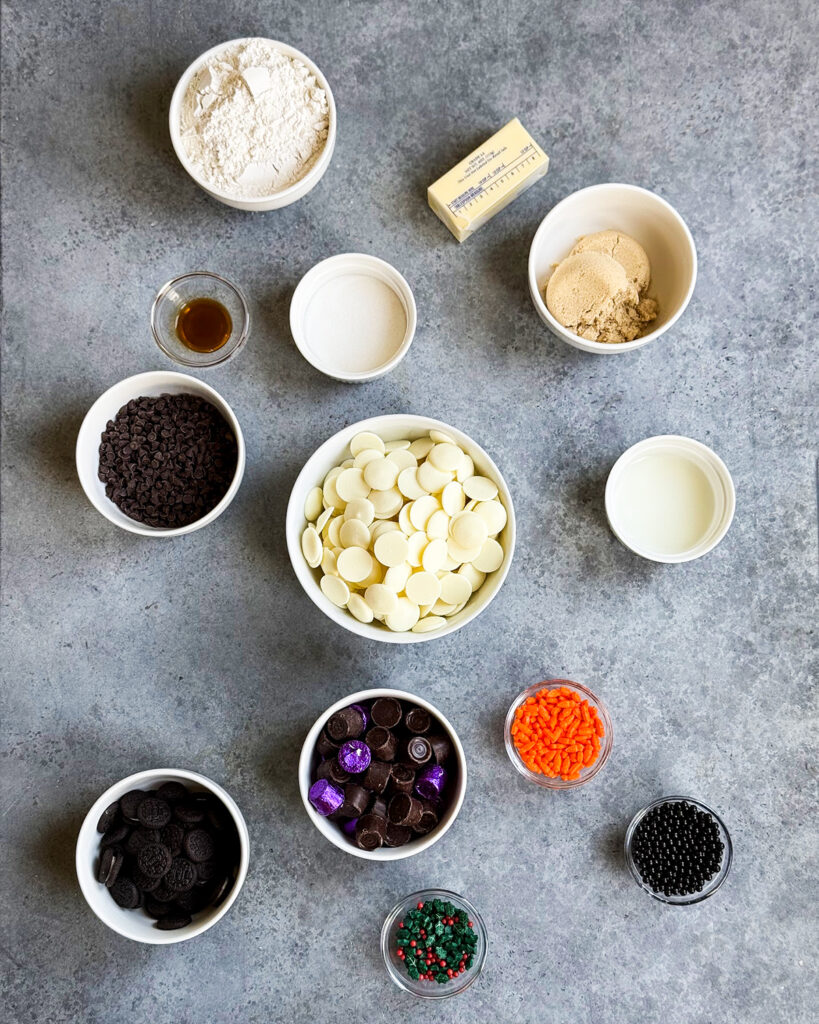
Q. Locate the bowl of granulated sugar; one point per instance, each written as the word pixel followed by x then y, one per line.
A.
pixel 253 122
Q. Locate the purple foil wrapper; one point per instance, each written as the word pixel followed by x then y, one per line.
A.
pixel 364 713
pixel 325 797
pixel 430 782
pixel 348 826
pixel 354 756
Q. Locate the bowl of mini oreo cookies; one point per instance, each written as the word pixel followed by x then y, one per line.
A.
pixel 162 855
pixel 382 774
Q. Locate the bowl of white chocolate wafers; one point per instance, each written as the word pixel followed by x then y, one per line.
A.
pixel 401 528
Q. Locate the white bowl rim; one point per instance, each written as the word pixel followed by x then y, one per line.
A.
pixel 176 104
pixel 719 468
pixel 398 283
pixel 601 347
pixel 329 830
pixel 149 378
pixel 340 615
pixel 90 886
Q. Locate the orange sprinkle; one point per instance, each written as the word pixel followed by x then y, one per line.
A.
pixel 557 732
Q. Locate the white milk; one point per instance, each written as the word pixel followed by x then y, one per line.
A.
pixel 354 323
pixel 664 503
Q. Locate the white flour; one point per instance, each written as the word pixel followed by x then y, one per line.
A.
pixel 254 121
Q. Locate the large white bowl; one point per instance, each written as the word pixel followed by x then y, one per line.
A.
pixel 135 924
pixel 653 222
pixel 151 385
pixel 332 453
pixel 330 829
pixel 285 196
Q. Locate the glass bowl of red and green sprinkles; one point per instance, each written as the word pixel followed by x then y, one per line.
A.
pixel 558 734
pixel 434 944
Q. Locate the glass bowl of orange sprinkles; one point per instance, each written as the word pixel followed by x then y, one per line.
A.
pixel 558 734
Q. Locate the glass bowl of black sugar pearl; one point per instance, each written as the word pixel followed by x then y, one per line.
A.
pixel 678 850
pixel 434 944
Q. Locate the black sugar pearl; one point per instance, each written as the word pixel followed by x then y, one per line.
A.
pixel 677 848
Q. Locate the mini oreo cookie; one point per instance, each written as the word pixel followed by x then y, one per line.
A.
pixel 189 812
pixel 145 883
pixel 386 712
pixel 382 743
pixel 172 791
pixel 163 892
pixel 154 813
pixel 111 860
pixel 170 922
pixel 370 831
pixel 198 845
pixel 171 836
pixel 154 860
pixel 418 720
pixel 115 835
pixel 138 838
pixel 128 804
pixel 402 778
pixel 404 809
pixel 125 894
pixel 155 907
pixel 206 871
pixel 108 817
pixel 186 901
pixel 221 890
pixel 181 875
pixel 377 776
pixel 397 835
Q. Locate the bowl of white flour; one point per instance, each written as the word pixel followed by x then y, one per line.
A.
pixel 253 122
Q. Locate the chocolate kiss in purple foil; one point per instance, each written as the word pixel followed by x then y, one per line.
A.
pixel 354 756
pixel 325 797
pixel 430 782
pixel 348 826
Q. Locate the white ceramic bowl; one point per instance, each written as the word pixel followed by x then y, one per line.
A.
pixel 332 453
pixel 135 924
pixel 357 267
pixel 653 222
pixel 152 384
pixel 285 196
pixel 715 472
pixel 330 829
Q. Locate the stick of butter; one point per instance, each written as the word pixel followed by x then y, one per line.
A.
pixel 488 179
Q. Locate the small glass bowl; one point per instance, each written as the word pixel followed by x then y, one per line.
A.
pixel 396 969
pixel 173 296
pixel 587 773
pixel 716 881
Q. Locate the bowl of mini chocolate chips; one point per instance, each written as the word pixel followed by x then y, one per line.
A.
pixel 382 774
pixel 160 454
pixel 162 855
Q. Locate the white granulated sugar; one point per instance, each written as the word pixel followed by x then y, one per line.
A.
pixel 254 120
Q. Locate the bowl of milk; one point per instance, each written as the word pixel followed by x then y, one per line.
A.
pixel 670 499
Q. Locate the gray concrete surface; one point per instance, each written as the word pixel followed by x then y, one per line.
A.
pixel 122 653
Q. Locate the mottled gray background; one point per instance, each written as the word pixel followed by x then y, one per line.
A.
pixel 124 653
